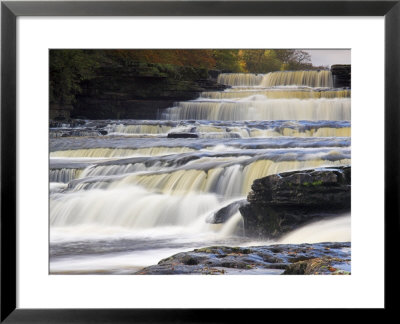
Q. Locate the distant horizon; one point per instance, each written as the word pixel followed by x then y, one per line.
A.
pixel 329 57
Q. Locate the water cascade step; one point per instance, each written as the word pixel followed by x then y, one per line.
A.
pixel 126 193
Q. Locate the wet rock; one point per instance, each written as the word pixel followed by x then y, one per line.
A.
pixel 282 202
pixel 316 187
pixel 225 213
pixel 57 123
pixel 341 74
pixel 70 132
pixel 325 265
pixel 319 258
pixel 182 135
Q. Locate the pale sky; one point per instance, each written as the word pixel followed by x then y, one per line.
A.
pixel 329 56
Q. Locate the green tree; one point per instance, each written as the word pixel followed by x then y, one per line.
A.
pixel 227 60
pixel 68 68
pixel 261 61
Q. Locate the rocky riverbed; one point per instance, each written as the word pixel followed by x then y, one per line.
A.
pixel 286 259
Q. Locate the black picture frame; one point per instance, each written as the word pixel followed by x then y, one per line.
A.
pixel 10 10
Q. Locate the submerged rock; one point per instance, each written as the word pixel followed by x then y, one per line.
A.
pixel 320 258
pixel 225 213
pixel 282 202
pixel 182 135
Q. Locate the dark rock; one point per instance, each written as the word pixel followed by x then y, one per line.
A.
pixel 140 90
pixel 319 258
pixel 213 74
pixel 182 135
pixel 189 260
pixel 316 187
pixel 341 74
pixel 225 213
pixel 59 118
pixel 56 123
pixel 60 112
pixel 282 202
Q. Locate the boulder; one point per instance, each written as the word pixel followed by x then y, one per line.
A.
pixel 225 213
pixel 282 202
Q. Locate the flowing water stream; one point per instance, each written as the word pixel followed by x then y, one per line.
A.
pixel 126 193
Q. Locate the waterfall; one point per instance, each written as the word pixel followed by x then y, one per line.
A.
pixel 315 79
pixel 277 94
pixel 115 208
pixel 230 181
pixel 221 129
pixel 119 152
pixel 64 175
pixel 138 129
pixel 262 108
pixel 240 79
pixel 191 185
pixel 140 188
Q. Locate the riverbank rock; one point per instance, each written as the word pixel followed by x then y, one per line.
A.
pixel 282 202
pixel 324 265
pixel 140 90
pixel 319 258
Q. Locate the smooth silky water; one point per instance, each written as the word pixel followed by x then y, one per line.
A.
pixel 123 201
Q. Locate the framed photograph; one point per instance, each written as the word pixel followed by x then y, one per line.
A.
pixel 179 155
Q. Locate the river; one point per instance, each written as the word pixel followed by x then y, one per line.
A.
pixel 126 193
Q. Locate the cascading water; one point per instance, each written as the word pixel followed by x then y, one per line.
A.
pixel 259 107
pixel 314 79
pixel 298 95
pixel 144 191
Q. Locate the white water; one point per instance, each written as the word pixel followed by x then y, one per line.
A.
pixel 314 79
pixel 126 200
pixel 332 230
pixel 114 208
pixel 262 108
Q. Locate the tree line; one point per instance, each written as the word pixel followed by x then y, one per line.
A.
pixel 226 60
pixel 69 67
